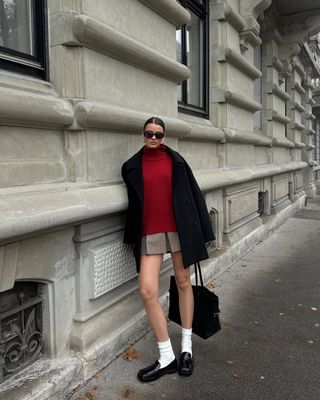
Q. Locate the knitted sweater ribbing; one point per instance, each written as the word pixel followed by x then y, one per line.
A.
pixel 158 213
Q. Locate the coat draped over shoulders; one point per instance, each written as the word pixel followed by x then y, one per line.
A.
pixel 190 210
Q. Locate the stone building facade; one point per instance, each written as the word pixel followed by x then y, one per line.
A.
pixel 234 82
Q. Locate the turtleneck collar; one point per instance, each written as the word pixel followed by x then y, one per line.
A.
pixel 154 152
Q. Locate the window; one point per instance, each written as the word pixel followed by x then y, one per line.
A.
pixel 23 46
pixel 192 51
pixel 257 90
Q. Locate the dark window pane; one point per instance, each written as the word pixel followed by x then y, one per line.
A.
pixel 192 50
pixel 16 25
pixel 194 43
pixel 179 59
pixel 257 88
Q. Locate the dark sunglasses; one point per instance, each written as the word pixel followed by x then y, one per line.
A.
pixel 149 134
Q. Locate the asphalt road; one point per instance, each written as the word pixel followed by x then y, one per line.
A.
pixel 269 346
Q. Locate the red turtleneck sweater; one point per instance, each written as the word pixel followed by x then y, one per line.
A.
pixel 158 214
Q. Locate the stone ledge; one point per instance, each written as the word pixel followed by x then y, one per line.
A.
pixel 282 142
pixel 298 68
pixel 298 88
pixel 79 30
pixel 310 147
pixel 231 56
pixel 225 95
pixel 276 90
pixel 30 214
pixel 277 63
pixel 236 136
pixel 32 109
pixel 98 115
pixel 298 126
pixel 225 12
pixel 310 101
pixel 171 10
pixel 299 145
pixel 273 115
pixel 297 106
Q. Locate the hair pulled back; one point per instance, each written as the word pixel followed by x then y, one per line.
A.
pixel 155 120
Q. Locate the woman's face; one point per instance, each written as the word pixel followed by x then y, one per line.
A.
pixel 153 142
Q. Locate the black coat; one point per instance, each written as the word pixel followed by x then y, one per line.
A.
pixel 192 218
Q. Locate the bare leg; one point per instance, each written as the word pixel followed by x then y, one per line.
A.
pixel 149 291
pixel 186 302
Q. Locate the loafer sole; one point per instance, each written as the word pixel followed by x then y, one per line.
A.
pixel 185 373
pixel 158 375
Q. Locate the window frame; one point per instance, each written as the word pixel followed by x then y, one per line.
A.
pixel 26 64
pixel 202 12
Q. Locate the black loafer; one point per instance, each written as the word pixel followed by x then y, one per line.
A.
pixel 185 364
pixel 154 371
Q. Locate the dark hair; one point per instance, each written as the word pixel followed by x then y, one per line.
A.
pixel 154 120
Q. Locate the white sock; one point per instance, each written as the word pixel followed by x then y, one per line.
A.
pixel 186 342
pixel 166 353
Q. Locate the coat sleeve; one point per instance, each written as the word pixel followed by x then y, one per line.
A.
pixel 201 206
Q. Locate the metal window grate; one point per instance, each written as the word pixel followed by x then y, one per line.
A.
pixel 262 199
pixel 21 332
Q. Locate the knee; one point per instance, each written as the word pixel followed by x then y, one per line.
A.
pixel 148 294
pixel 183 282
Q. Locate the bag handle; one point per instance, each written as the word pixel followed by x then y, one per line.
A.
pixel 197 270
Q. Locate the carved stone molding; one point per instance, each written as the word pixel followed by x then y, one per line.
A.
pixel 98 115
pixel 235 136
pixel 238 61
pixel 282 142
pixel 79 30
pixel 276 90
pixel 221 95
pixel 171 10
pixel 225 12
pixel 30 214
pixel 31 109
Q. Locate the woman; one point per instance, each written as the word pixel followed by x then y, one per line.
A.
pixel 166 213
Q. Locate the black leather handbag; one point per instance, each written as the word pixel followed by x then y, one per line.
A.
pixel 206 307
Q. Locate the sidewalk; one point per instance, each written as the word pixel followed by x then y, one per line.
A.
pixel 269 346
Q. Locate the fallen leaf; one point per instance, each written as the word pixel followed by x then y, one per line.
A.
pixel 89 395
pixel 127 392
pixel 236 376
pixel 131 354
pixel 317 324
pixel 231 362
pixel 313 308
pixel 97 375
pixel 95 387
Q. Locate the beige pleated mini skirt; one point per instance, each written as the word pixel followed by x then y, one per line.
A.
pixel 160 243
